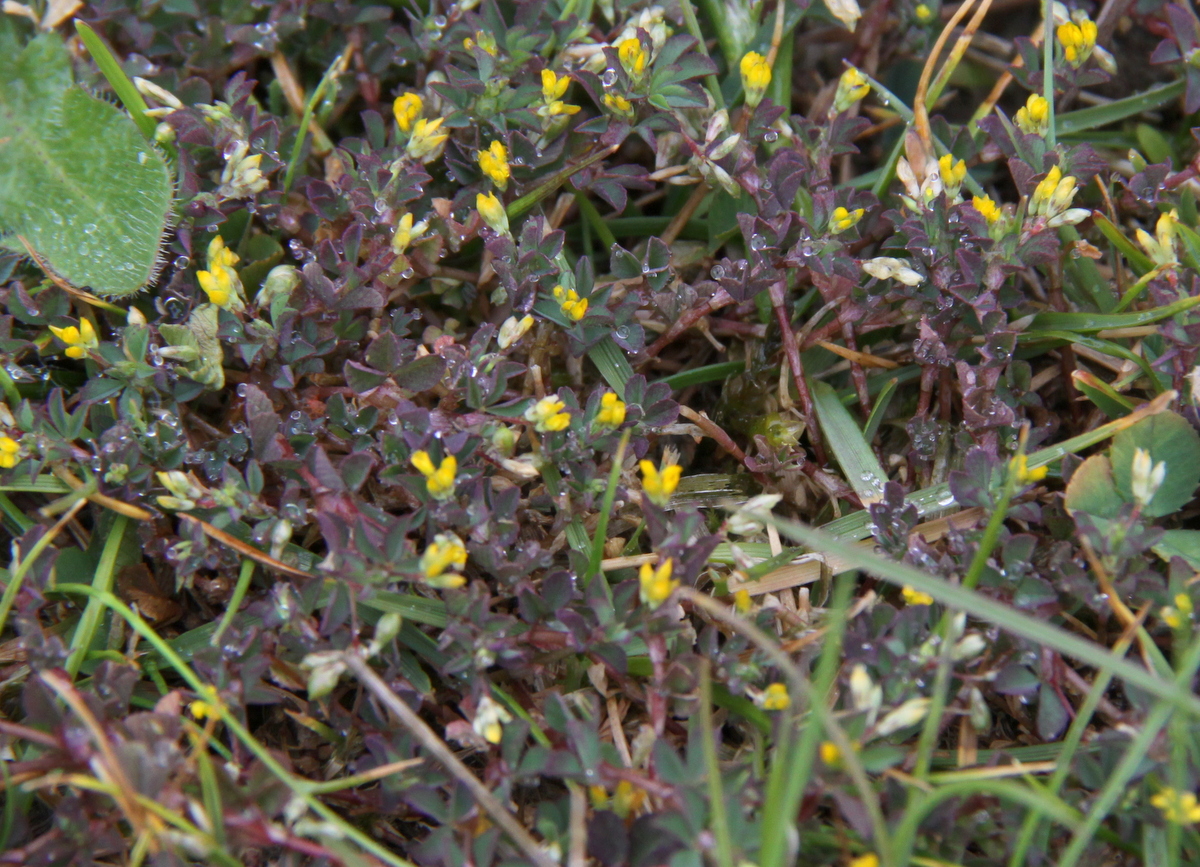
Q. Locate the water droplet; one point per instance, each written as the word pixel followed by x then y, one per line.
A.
pixel 406 273
pixel 242 389
pixel 717 272
pixel 56 218
pixel 609 78
pixel 645 269
pixel 264 28
pixel 766 185
pixel 946 499
pixel 622 332
pixel 90 229
pixel 439 21
pixel 380 205
pixel 770 135
pixel 758 242
pixel 181 262
pixel 142 158
pixel 296 415
pixel 393 418
pixel 806 250
pixel 238 427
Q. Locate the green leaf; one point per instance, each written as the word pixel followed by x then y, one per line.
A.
pixel 1180 543
pixel 117 80
pixel 1168 438
pixel 77 179
pixel 1102 115
pixel 853 452
pixel 1091 489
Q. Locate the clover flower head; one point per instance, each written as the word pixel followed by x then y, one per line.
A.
pixel 843 220
pixel 660 485
pixel 913 596
pixel 493 162
pixel 1078 39
pixel 1180 808
pixel 445 552
pixel 1146 477
pixel 407 107
pixel 756 77
pixel 426 140
pixel 489 720
pixel 655 585
pixel 633 56
pixel 549 414
pixel 1161 247
pixel 1024 474
pixel 492 212
pixel 80 339
pixel 852 86
pixel 10 452
pixel 1034 117
pixel 987 208
pixel 439 480
pixel 1052 199
pixel 619 105
pixel 952 172
pixel 406 232
pixel 888 268
pixel 513 329
pixel 612 411
pixel 572 306
pixel 775 697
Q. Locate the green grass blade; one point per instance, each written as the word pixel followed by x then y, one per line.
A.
pixel 125 90
pixel 854 454
pixel 1102 115
pixel 102 582
pixel 1139 261
pixel 875 419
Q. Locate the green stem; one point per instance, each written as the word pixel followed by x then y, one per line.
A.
pixel 610 494
pixel 1048 69
pixel 235 601
pixel 102 581
pixel 716 793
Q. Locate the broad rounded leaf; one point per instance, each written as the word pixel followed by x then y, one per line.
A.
pixel 1170 439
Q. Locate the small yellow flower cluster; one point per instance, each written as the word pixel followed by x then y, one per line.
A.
pixel 775 697
pixel 1034 117
pixel 1182 611
pixel 424 139
pixel 10 452
pixel 220 282
pixel 625 798
pixel 572 306
pixel 633 57
pixel 953 173
pixel 406 232
pixel 1052 199
pixel 924 14
pixel 548 414
pixel 1078 39
pixel 656 585
pixel 844 220
pixel 484 40
pixel 1019 467
pixel 1161 247
pixel 208 705
pixel 80 340
pixel 868 860
pixel 612 411
pixel 619 105
pixel 658 486
pixel 756 77
pixel 554 88
pixel 493 162
pixel 1181 808
pixel 489 720
pixel 439 481
pixel 513 329
pixel 987 208
pixel 446 551
pixel 852 86
pixel 492 212
pixel 912 596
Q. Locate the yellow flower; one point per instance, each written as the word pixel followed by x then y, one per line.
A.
pixel 618 104
pixel 1161 247
pixel 952 173
pixel 1019 466
pixel 489 720
pixel 1077 40
pixel 852 87
pixel 10 452
pixel 633 56
pixel 208 705
pixel 554 87
pixel 406 231
pixel 756 76
pixel 626 799
pixel 494 164
pixel 1178 807
pixel 843 220
pixel 924 13
pixel 1184 603
pixel 1171 616
pixel 217 285
pixel 486 41
pixel 1034 116
pixel 612 411
pixel 1052 199
pixel 989 209
pixel 446 551
pixel 656 584
pixel 220 256
pixel 742 601
pixel 439 482
pixel 573 307
pixel 915 597
pixel 868 860
pixel 80 340
pixel 830 754
pixel 775 697
pixel 407 108
pixel 425 140
pixel 492 212
pixel 549 414
pixel 513 329
pixel 659 486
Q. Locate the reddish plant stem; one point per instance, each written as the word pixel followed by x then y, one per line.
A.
pixel 720 299
pixel 857 374
pixel 792 350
